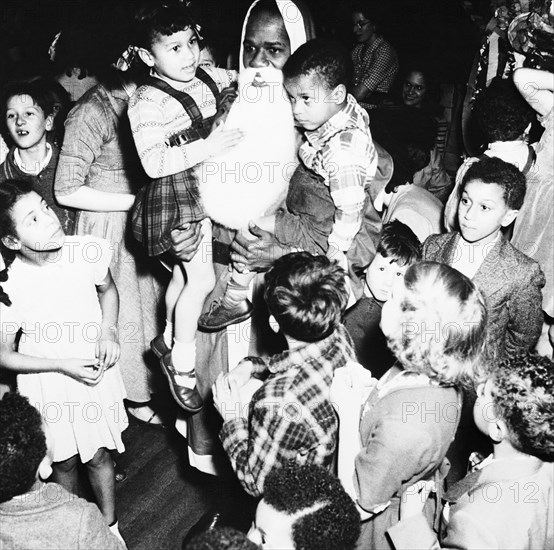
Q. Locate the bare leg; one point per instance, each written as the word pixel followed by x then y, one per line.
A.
pixel 174 289
pixel 65 473
pixel 200 282
pixel 102 480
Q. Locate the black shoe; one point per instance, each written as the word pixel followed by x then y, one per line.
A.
pixel 188 399
pixel 159 347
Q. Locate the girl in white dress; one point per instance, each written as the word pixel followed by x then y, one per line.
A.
pixel 58 331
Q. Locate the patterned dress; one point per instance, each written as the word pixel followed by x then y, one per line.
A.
pixel 98 152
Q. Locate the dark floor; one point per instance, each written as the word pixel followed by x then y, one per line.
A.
pixel 162 496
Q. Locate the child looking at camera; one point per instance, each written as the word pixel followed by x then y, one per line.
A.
pixel 397 250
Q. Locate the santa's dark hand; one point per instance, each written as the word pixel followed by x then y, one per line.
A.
pixel 185 241
pixel 257 254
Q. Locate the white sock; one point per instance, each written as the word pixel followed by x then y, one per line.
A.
pixel 183 356
pixel 115 530
pixel 168 334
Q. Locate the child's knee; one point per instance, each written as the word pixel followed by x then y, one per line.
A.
pixel 100 458
pixel 205 284
pixel 66 466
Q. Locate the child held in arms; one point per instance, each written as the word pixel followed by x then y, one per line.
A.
pixel 337 147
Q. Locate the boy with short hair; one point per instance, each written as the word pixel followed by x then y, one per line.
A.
pixel 290 418
pixel 305 508
pixel 29 109
pixel 492 194
pixel 508 501
pixel 504 119
pixel 36 515
pixel 326 208
pixel 397 250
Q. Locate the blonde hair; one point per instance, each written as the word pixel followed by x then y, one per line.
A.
pixel 442 325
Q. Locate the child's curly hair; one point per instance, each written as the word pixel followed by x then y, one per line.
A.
pixel 523 396
pixel 442 324
pixel 331 521
pixel 22 445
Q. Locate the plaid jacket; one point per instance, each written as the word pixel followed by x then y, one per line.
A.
pixel 291 418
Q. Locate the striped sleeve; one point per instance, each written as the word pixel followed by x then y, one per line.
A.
pixel 148 122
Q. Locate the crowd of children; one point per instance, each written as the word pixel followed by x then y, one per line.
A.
pixel 404 327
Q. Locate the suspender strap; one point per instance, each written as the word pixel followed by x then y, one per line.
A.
pixel 199 127
pixel 208 80
pixel 530 160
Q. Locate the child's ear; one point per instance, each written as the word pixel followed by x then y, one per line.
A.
pixel 45 468
pixel 509 217
pixel 338 95
pixel 49 124
pixel 146 57
pixel 11 242
pixel 274 324
pixel 497 430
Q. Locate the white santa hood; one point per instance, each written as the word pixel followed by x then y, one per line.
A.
pixel 298 24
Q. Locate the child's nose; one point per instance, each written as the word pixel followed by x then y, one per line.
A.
pixel 468 213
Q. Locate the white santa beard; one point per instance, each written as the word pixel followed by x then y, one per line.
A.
pixel 252 179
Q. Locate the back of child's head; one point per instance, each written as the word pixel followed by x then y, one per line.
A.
pixel 501 111
pixel 160 19
pixel 307 295
pixel 328 60
pixel 441 324
pixel 399 243
pixel 22 445
pixel 327 516
pixel 523 396
pixel 504 174
pixel 10 192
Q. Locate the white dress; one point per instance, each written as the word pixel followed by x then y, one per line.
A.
pixel 57 308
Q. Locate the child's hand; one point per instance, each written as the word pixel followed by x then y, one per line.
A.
pixel 227 399
pixel 107 348
pixel 350 388
pixel 86 371
pixel 414 498
pixel 242 373
pixel 220 140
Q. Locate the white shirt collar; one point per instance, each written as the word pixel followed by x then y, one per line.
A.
pixel 38 167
